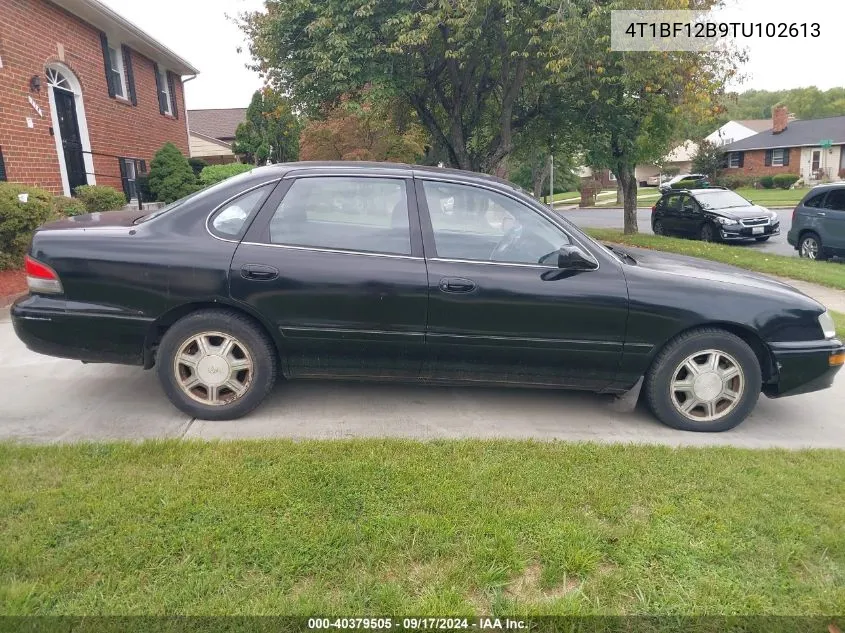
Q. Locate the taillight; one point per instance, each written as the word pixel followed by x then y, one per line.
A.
pixel 41 278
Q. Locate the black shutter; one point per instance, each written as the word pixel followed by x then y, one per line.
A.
pixel 785 156
pixel 104 42
pixel 2 167
pixel 130 76
pixel 726 160
pixel 768 161
pixel 741 159
pixel 124 180
pixel 171 84
pixel 159 88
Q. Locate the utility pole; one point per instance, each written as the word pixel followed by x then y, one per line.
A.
pixel 551 181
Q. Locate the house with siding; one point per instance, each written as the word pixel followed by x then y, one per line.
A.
pixel 811 149
pixel 212 132
pixel 86 97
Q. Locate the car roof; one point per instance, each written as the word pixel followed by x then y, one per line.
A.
pixel 372 167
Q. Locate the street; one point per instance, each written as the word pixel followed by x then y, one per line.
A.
pixel 54 400
pixel 612 219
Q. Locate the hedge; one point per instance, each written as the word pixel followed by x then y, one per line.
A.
pixel 68 207
pixel 216 173
pixel 99 198
pixel 19 219
pixel 785 181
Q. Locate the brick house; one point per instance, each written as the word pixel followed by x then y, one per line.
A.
pixel 812 149
pixel 86 97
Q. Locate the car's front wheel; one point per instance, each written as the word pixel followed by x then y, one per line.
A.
pixel 216 365
pixel 707 233
pixel 704 380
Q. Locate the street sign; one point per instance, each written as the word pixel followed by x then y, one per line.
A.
pixel 826 143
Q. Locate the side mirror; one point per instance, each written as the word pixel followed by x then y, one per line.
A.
pixel 571 257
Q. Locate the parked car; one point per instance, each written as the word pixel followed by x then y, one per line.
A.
pixel 653 181
pixel 713 214
pixel 818 223
pixel 700 180
pixel 365 270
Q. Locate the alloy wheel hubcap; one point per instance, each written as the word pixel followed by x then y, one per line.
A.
pixel 809 248
pixel 707 386
pixel 213 368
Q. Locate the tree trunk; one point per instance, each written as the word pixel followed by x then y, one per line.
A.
pixel 620 195
pixel 541 174
pixel 628 184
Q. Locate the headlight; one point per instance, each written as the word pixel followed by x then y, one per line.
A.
pixel 726 221
pixel 826 321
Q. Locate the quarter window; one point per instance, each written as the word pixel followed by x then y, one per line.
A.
pixel 231 220
pixel 481 225
pixel 343 213
pixel 815 202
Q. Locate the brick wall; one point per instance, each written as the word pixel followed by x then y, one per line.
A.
pixel 33 34
pixel 755 164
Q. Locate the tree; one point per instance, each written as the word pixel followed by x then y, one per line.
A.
pixel 171 176
pixel 631 102
pixel 709 159
pixel 370 130
pixel 270 132
pixel 472 70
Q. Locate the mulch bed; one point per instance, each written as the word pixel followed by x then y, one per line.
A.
pixel 12 284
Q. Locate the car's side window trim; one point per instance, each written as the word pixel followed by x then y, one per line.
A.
pixel 250 221
pixel 259 233
pixel 428 228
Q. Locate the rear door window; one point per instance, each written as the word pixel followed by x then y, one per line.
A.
pixel 835 200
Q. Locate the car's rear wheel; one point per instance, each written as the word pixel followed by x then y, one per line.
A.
pixel 704 380
pixel 810 247
pixel 216 365
pixel 706 233
pixel 765 238
pixel 657 228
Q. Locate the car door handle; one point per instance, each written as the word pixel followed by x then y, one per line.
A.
pixel 456 284
pixel 259 272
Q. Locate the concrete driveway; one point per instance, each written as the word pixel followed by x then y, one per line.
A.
pixel 52 400
pixel 598 218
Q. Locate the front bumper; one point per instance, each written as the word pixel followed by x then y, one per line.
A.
pixel 736 233
pixel 804 367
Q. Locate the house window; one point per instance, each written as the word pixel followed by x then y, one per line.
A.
pixel 118 73
pixel 735 159
pixel 778 157
pixel 817 158
pixel 611 176
pixel 164 98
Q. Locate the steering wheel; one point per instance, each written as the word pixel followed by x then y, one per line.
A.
pixel 507 242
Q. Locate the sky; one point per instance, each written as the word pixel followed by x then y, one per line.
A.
pixel 199 31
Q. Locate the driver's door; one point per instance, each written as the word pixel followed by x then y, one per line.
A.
pixel 495 312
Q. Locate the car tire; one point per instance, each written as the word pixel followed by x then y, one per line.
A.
pixel 707 234
pixel 717 398
pixel 762 239
pixel 810 247
pixel 216 364
pixel 657 228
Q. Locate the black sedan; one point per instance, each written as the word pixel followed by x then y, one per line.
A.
pixel 391 272
pixel 713 214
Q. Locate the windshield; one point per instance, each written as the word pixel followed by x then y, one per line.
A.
pixel 720 199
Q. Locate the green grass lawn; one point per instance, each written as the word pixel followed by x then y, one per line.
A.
pixel 401 527
pixel 773 197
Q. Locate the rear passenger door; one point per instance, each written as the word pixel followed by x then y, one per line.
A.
pixel 335 264
pixel 832 219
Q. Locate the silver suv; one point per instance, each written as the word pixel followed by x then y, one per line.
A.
pixel 818 223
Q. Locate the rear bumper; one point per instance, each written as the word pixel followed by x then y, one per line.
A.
pixel 47 326
pixel 803 367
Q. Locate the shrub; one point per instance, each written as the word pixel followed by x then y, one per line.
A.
pixel 98 198
pixel 734 181
pixel 68 207
pixel 171 177
pixel 19 219
pixel 217 173
pixel 689 183
pixel 767 182
pixel 197 164
pixel 785 181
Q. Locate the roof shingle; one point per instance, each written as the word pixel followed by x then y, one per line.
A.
pixel 216 123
